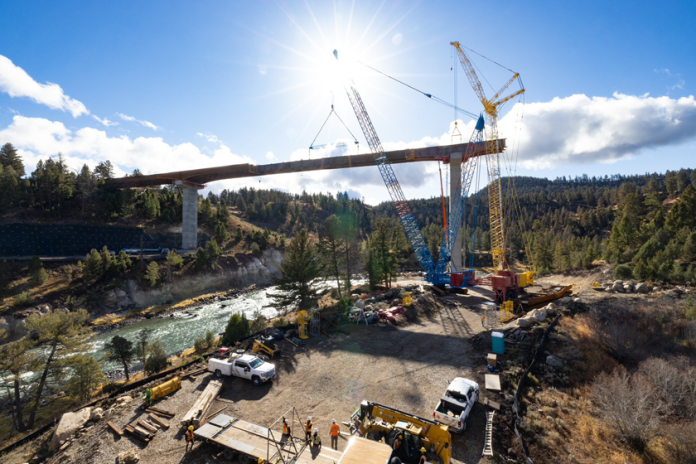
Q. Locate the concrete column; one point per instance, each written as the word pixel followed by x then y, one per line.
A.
pixel 455 176
pixel 189 226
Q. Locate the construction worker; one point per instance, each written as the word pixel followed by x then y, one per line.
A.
pixel 335 430
pixel 189 438
pixel 423 459
pixel 261 461
pixel 308 429
pixel 316 439
pixel 397 443
pixel 286 428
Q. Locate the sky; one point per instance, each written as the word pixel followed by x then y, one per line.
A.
pixel 171 85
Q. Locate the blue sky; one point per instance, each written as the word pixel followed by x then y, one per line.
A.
pixel 178 85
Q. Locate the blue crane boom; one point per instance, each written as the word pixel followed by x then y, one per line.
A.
pixel 403 209
pixel 457 211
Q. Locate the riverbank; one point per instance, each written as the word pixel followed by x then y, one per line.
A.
pixel 124 318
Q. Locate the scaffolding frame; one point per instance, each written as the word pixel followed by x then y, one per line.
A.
pixel 292 453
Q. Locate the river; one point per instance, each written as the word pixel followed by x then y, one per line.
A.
pixel 179 332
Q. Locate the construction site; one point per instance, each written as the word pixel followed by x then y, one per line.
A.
pixel 265 326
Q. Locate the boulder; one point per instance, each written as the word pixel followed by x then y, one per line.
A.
pixel 123 400
pixel 619 282
pixel 69 424
pixel 618 286
pixel 643 288
pixel 553 361
pixel 97 415
pixel 537 315
pixel 523 323
pixel 628 288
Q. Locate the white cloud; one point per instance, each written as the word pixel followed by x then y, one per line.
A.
pixel 572 130
pixel 209 137
pixel 38 138
pixel 581 129
pixel 17 83
pixel 106 122
pixel 125 117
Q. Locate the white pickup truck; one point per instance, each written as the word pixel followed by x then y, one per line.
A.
pixel 245 366
pixel 456 404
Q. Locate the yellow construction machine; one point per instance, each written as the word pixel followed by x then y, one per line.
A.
pixel 160 391
pixel 266 347
pixel 384 424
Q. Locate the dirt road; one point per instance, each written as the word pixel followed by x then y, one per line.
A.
pixel 406 367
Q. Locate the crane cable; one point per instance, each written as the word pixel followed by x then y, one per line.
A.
pixel 333 111
pixel 431 96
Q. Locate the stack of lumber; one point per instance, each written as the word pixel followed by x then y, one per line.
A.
pixel 200 407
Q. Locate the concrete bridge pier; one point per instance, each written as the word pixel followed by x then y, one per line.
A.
pixel 455 176
pixel 189 225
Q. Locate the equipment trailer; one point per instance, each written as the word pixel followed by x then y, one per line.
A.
pixel 254 442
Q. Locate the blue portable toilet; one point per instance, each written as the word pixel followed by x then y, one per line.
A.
pixel 498 339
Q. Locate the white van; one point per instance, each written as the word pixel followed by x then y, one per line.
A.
pixel 245 366
pixel 456 404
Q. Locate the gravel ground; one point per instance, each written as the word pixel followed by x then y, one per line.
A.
pixel 406 367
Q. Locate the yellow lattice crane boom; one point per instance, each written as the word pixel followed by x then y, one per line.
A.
pixel 491 109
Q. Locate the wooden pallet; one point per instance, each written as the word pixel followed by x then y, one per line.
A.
pixel 488 439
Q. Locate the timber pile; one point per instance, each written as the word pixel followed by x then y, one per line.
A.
pixel 139 433
pixel 155 419
pixel 198 411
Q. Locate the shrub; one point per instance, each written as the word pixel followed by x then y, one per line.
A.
pixel 157 359
pixel 258 323
pixel 93 265
pixel 690 309
pixel 280 322
pixel 628 404
pixel 21 300
pixel 237 329
pixel 174 260
pixel 111 387
pixel 200 345
pixel 37 273
pixel 623 272
pixel 255 248
pixel 210 339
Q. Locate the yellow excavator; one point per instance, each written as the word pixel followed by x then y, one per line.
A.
pixel 384 424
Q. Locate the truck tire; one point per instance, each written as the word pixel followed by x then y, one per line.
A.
pixel 218 374
pixel 256 380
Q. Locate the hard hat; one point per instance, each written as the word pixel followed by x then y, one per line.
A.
pixel 260 460
pixel 333 420
pixel 423 450
pixel 309 418
pixel 401 437
pixel 316 430
pixel 190 427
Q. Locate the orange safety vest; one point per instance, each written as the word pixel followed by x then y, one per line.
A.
pixel 189 435
pixel 286 429
pixel 308 426
pixel 334 430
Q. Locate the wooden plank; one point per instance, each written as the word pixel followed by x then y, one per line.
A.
pixel 225 400
pixel 115 428
pixel 149 428
pixel 159 414
pixel 151 424
pixel 493 382
pixel 158 421
pixel 200 407
pixel 163 411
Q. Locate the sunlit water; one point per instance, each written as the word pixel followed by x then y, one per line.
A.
pixel 179 332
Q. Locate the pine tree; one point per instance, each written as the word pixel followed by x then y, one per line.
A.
pixel 301 266
pixel 104 170
pixel 221 233
pixel 10 157
pixel 152 273
pixel 120 350
pixel 37 273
